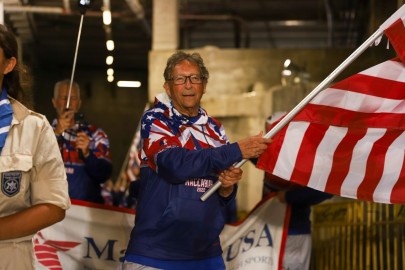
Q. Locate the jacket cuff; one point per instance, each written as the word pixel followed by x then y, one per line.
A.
pixel 231 197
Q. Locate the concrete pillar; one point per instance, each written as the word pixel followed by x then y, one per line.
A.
pixel 165 27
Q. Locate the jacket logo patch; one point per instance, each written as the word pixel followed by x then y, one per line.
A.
pixel 10 183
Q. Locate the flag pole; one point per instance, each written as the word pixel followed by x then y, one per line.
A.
pixel 285 120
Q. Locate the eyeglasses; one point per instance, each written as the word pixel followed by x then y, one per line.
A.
pixel 194 79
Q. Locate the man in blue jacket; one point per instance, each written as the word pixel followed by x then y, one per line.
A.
pixel 184 152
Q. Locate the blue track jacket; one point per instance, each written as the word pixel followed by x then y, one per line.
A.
pixel 181 158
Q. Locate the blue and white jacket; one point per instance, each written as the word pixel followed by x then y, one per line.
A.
pixel 181 158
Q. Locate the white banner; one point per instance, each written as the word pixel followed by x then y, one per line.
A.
pixel 256 242
pixel 94 237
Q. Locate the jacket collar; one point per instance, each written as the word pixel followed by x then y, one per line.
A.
pixel 19 110
pixel 163 101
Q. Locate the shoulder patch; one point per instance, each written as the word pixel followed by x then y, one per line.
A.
pixel 10 182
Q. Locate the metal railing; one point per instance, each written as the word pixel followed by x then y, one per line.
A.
pixel 358 235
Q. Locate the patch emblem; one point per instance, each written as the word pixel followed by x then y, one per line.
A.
pixel 10 182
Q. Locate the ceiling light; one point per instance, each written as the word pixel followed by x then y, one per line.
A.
pixel 110 78
pixel 109 60
pixel 107 17
pixel 110 45
pixel 110 72
pixel 134 84
pixel 293 74
pixel 286 72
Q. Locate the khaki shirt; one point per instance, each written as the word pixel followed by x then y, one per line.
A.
pixel 31 168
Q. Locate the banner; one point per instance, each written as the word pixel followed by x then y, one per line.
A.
pixel 257 241
pixel 91 236
pixel 95 236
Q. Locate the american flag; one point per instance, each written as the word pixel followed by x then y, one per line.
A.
pixel 132 161
pixel 350 140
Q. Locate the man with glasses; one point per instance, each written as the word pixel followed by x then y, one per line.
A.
pixel 184 152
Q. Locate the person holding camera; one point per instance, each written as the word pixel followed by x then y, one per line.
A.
pixel 85 148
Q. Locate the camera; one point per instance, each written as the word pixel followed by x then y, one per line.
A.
pixel 79 119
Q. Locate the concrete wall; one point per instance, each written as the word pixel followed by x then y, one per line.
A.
pixel 235 71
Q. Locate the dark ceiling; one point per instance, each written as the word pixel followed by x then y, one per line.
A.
pixel 49 28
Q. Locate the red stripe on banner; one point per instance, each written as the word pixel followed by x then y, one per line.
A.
pixel 396 35
pixel 344 118
pixel 47 255
pixel 51 264
pixel 62 245
pixel 285 234
pixel 306 154
pixel 398 191
pixel 375 165
pixel 44 248
pixel 342 159
pixel 373 86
